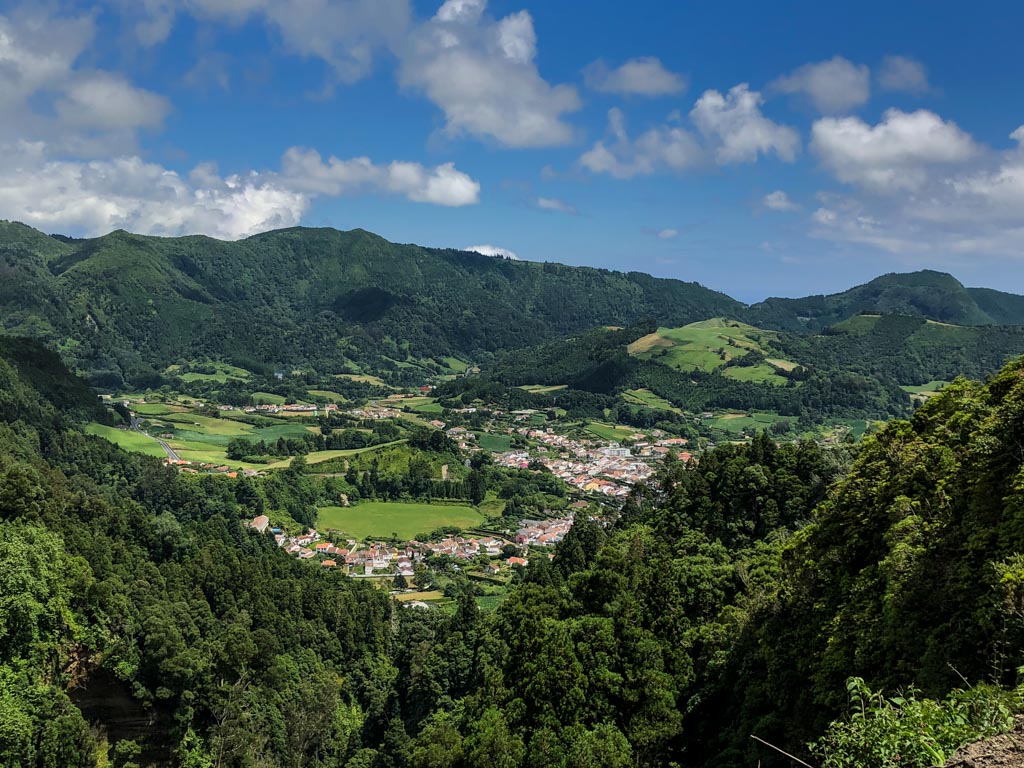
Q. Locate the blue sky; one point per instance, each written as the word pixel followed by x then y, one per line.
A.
pixel 758 148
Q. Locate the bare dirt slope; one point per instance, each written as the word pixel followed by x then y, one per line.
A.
pixel 1003 751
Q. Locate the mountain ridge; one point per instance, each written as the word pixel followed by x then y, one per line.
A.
pixel 122 306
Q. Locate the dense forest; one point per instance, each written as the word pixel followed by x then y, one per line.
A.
pixel 757 591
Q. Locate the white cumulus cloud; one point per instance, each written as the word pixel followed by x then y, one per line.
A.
pixel 109 101
pixel 663 148
pixel 45 95
pixel 483 76
pixel 644 76
pixel 894 154
pixel 668 234
pixel 833 86
pixel 305 170
pixel 737 129
pixel 733 128
pixel 493 250
pixel 972 207
pixel 98 196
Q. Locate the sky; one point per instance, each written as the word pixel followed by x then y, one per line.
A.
pixel 760 149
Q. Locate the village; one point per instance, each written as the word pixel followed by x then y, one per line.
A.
pixel 388 559
pixel 603 468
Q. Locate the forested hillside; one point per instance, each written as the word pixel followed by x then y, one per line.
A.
pixel 142 624
pixel 855 369
pixel 123 307
pixel 929 294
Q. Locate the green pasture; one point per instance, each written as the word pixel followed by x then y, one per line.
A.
pixel 381 519
pixel 610 431
pixel 496 443
pixel 156 409
pixel 758 374
pixel 363 379
pixel 328 395
pixel 267 398
pixel 735 423
pixel 318 457
pixel 710 344
pixel 135 442
pixel 648 399
pixel 930 387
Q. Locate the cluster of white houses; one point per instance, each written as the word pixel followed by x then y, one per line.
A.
pixel 287 408
pixel 385 559
pixel 608 468
pixel 543 533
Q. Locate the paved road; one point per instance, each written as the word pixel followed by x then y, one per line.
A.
pixel 136 425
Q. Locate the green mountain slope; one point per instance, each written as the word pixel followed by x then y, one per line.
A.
pixel 739 351
pixel 123 306
pixel 1003 308
pixel 854 369
pixel 934 295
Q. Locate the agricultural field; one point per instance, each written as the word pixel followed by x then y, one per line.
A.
pixel 328 395
pixel 204 439
pixel 454 364
pixel 204 453
pixel 383 519
pixel 408 597
pixel 921 392
pixel 364 379
pixel 267 398
pixel 207 425
pixel 489 603
pixel 222 373
pixel 427 405
pixel 709 345
pixel 492 506
pixel 610 431
pixel 496 443
pixel 758 374
pixel 157 409
pixel 735 423
pixel 543 389
pixel 319 457
pixel 648 399
pixel 126 439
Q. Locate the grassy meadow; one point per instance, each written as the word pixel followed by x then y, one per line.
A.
pixel 714 344
pixel 648 399
pixel 128 440
pixel 384 518
pixel 610 431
